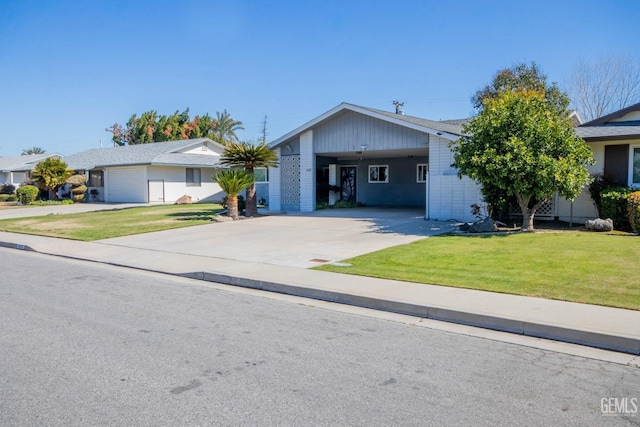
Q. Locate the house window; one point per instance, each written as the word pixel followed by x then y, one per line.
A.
pixel 193 177
pixel 422 170
pixel 261 174
pixel 96 179
pixel 635 166
pixel 378 173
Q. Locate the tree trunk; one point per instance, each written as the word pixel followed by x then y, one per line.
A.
pixel 528 213
pixel 232 206
pixel 251 208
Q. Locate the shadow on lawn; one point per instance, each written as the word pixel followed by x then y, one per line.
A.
pixel 196 216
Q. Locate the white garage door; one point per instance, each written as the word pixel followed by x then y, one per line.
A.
pixel 126 185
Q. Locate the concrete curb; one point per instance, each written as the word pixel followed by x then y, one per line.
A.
pixel 532 329
pixel 17 246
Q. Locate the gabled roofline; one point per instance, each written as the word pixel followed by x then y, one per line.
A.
pixel 351 107
pixel 196 141
pixel 614 115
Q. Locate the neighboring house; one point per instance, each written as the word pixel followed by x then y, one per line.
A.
pixel 160 172
pixel 16 170
pixel 615 142
pixel 375 157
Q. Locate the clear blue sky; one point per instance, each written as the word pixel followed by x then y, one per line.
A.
pixel 70 69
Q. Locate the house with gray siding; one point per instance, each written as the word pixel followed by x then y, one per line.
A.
pixel 374 157
pixel 17 170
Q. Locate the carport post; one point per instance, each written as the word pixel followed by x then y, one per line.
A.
pixel 426 207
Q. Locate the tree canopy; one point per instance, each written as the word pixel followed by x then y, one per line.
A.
pixel 605 85
pixel 50 174
pixel 520 145
pixel 151 127
pixel 522 77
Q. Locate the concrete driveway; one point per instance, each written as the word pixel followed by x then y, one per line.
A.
pixel 293 240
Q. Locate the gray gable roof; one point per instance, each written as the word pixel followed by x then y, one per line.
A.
pixel 157 153
pixel 23 163
pixel 451 131
pixel 604 129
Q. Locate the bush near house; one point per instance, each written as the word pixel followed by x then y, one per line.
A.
pixel 614 206
pixel 633 208
pixel 78 188
pixel 27 194
pixel 8 198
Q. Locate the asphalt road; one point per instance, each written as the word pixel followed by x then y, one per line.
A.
pixel 86 344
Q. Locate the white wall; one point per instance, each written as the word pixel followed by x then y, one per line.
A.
pixel 175 186
pixel 450 198
pixel 307 173
pixel 275 198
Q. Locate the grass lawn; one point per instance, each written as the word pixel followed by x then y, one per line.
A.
pixel 582 267
pixel 106 224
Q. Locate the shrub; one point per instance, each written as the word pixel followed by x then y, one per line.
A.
pixel 600 184
pixel 614 206
pixel 633 208
pixel 4 197
pixel 27 194
pixel 7 189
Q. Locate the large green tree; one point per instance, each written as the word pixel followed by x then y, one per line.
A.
pixel 249 156
pixel 521 145
pixel 50 174
pixel 518 77
pixel 233 182
pixel 151 127
pixel 225 127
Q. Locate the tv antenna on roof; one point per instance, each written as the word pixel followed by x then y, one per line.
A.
pixel 399 107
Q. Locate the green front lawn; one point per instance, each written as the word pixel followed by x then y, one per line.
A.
pixel 582 267
pixel 106 224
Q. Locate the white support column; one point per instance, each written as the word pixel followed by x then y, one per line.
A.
pixel 275 190
pixel 333 180
pixel 307 173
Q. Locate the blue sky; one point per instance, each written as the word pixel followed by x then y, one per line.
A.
pixel 70 69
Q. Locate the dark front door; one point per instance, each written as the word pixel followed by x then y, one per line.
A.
pixel 616 162
pixel 348 178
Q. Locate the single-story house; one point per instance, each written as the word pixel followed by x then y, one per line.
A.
pixel 161 172
pixel 375 157
pixel 615 142
pixel 16 170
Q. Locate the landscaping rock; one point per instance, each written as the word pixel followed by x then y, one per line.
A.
pixel 599 224
pixel 485 225
pixel 184 200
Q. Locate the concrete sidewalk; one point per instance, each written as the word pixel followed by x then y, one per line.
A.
pixel 596 326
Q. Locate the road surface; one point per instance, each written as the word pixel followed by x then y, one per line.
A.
pixel 88 344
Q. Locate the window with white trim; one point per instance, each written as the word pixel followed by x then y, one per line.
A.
pixel 421 171
pixel 378 174
pixel 634 167
pixel 261 174
pixel 193 177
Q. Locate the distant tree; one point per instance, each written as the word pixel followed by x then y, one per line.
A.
pixel 523 77
pixel 233 182
pixel 520 145
pixel 519 77
pixel 150 127
pixel 604 85
pixel 50 174
pixel 33 150
pixel 225 127
pixel 249 156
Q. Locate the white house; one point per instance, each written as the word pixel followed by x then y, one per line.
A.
pixel 160 172
pixel 16 170
pixel 375 157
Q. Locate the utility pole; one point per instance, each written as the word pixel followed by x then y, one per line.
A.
pixel 263 130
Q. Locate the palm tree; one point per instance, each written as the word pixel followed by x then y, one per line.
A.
pixel 233 182
pixel 33 150
pixel 249 156
pixel 225 127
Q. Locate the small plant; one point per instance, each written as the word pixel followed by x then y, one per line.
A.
pixel 4 197
pixel 7 189
pixel 633 208
pixel 27 194
pixel 479 211
pixel 344 204
pixel 600 183
pixel 614 206
pixel 262 201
